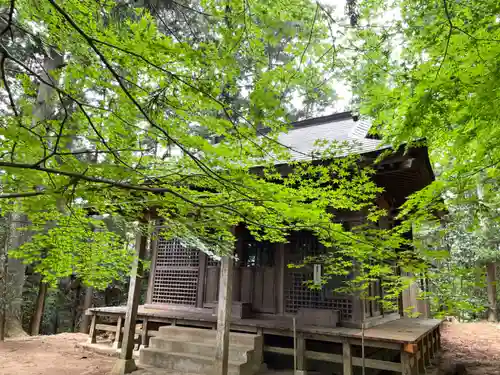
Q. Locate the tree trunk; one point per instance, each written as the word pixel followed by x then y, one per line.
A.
pixel 89 293
pixel 491 287
pixel 36 319
pixel 15 277
pixel 76 308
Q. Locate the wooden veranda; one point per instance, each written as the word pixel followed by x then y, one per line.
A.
pixel 404 346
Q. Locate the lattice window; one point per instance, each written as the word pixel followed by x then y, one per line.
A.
pixel 257 254
pixel 175 287
pixel 213 262
pixel 176 273
pixel 304 244
pixel 298 296
pixel 172 253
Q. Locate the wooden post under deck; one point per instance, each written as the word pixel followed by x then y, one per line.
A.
pixel 117 344
pixel 126 364
pixel 347 358
pixel 224 316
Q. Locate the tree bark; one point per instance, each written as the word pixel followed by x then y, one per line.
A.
pixel 87 304
pixel 15 277
pixel 3 273
pixel 36 319
pixel 492 291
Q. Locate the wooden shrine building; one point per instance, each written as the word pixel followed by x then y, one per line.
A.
pixel 296 327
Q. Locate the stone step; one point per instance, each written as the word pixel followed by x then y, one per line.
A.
pixel 173 344
pixel 188 363
pixel 203 335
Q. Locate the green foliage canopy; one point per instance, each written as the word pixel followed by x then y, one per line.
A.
pixel 115 110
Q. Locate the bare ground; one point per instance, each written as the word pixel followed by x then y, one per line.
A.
pixel 51 355
pixel 477 345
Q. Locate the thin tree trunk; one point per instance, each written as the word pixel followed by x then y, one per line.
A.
pixel 492 291
pixel 89 293
pixel 76 307
pixel 3 275
pixel 36 320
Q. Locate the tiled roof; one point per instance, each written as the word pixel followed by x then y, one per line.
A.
pixel 340 128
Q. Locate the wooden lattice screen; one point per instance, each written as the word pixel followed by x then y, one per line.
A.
pixel 297 294
pixel 176 273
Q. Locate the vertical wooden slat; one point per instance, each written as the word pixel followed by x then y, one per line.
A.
pixel 269 294
pixel 237 277
pixel 117 344
pixel 200 293
pixel 421 357
pixel 236 283
pixel 347 358
pixel 258 294
pixel 438 338
pixel 280 278
pixel 247 285
pixel 224 317
pixel 92 331
pixel 434 343
pixel 212 284
pixel 428 344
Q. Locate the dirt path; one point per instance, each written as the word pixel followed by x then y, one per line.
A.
pixel 51 355
pixel 477 345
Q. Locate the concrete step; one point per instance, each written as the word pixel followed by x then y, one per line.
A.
pixel 188 363
pixel 173 344
pixel 203 335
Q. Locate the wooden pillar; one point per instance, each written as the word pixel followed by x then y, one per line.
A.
pixel 224 316
pixel 144 333
pixel 154 253
pixel 93 331
pixel 428 351
pixel 125 364
pixel 438 338
pixel 202 268
pixel 301 354
pixel 421 357
pixel 280 278
pixel 117 344
pixel 408 363
pixel 347 358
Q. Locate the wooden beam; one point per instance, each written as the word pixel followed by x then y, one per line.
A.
pixel 410 348
pixel 347 358
pixel 337 358
pixel 125 363
pixel 224 316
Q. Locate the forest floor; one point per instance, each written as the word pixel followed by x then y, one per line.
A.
pixel 477 345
